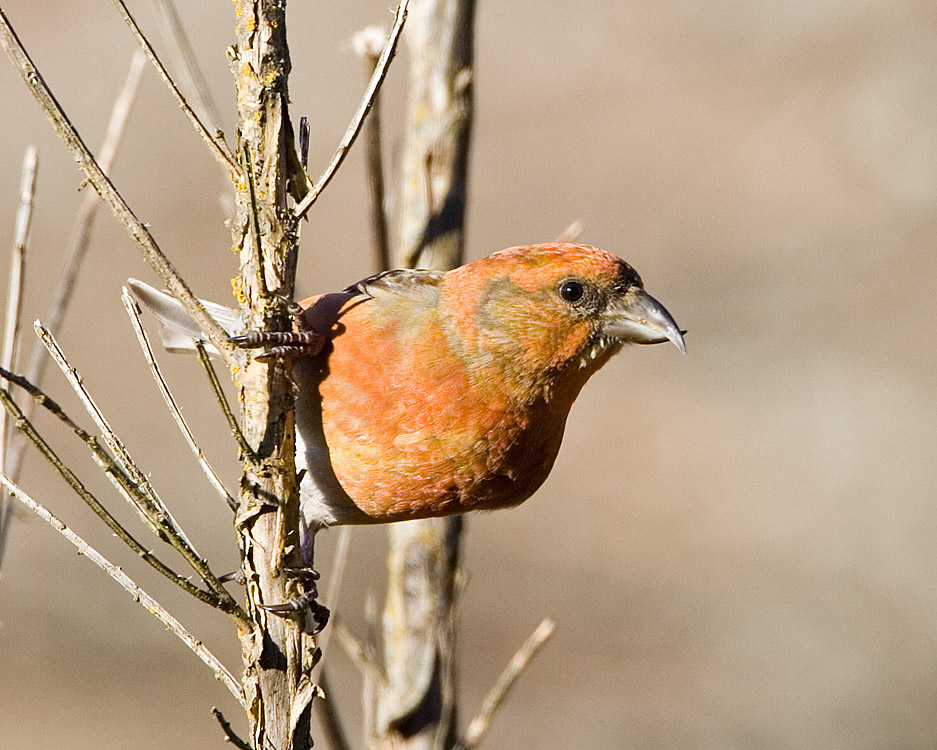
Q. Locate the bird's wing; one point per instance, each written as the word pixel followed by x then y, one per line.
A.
pixel 398 281
pixel 177 331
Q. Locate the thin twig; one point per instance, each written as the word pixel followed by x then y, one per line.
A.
pixel 479 726
pixel 173 32
pixel 133 310
pixel 11 329
pixel 24 216
pixel 233 425
pixel 354 126
pixel 367 45
pixel 115 201
pixel 247 166
pixel 572 232
pixel 74 255
pixel 359 652
pixel 139 595
pixel 218 146
pixel 111 470
pixel 145 499
pixel 229 734
pixel 84 221
pixel 151 508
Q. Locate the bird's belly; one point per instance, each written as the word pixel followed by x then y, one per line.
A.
pixel 390 472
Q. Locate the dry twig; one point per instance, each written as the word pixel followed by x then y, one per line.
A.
pixel 151 508
pixel 479 726
pixel 74 255
pixel 139 595
pixel 173 33
pixel 229 734
pixel 216 144
pixel 354 127
pixel 84 221
pixel 133 310
pixel 109 194
pixel 367 45
pixel 113 472
pixel 233 425
pixel 11 329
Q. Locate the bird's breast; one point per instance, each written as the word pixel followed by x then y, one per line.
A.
pixel 410 429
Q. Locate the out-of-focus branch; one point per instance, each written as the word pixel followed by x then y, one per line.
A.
pixel 216 144
pixel 11 328
pixel 193 81
pixel 434 172
pixel 74 255
pixel 367 45
pixel 109 194
pixel 84 221
pixel 354 127
pixel 416 707
pixel 478 727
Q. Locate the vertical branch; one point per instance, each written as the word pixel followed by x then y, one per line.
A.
pixel 11 326
pixel 277 656
pixel 416 707
pixel 367 45
pixel 435 159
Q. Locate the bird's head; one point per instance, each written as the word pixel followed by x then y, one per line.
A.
pixel 541 309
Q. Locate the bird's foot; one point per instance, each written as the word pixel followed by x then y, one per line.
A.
pixel 281 343
pixel 317 614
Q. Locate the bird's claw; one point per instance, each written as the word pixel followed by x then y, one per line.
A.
pixel 306 602
pixel 281 343
pixel 305 573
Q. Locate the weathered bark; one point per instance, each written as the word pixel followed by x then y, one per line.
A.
pixel 277 656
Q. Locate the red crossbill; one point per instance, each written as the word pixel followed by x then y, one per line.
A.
pixel 439 393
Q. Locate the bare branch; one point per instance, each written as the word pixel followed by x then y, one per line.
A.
pixel 74 255
pixel 229 734
pixel 233 425
pixel 479 726
pixel 339 559
pixel 329 721
pixel 152 509
pixel 217 145
pixel 113 473
pixel 354 127
pixel 132 225
pixel 133 310
pixel 173 33
pixel 11 329
pixel 24 217
pixel 367 45
pixel 139 595
pixel 84 221
pixel 360 653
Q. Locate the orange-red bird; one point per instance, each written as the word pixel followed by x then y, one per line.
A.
pixel 440 393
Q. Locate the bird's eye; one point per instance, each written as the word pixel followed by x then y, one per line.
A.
pixel 572 291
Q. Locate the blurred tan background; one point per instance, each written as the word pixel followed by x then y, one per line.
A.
pixel 738 546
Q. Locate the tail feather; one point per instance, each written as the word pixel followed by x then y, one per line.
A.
pixel 177 331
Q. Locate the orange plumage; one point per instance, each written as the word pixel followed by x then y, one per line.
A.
pixel 439 393
pixel 444 393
